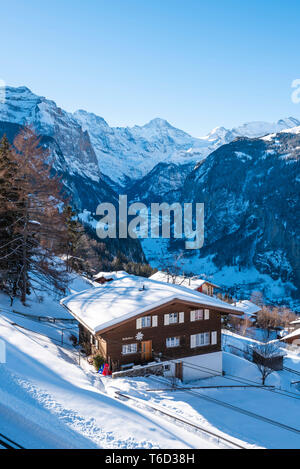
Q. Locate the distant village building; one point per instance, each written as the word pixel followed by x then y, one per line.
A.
pixel 133 321
pixel 293 338
pixel 250 309
pixel 194 283
pixel 104 277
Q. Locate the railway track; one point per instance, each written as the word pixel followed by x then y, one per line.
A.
pixel 237 409
pixel 291 370
pixel 213 437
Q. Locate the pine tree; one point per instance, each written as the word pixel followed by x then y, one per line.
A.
pixel 73 241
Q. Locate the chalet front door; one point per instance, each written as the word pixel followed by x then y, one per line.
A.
pixel 147 350
pixel 178 370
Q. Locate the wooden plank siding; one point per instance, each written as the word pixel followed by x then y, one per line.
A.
pixel 113 338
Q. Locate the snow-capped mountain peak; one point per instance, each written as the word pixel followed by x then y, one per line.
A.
pixel 157 122
pixel 124 154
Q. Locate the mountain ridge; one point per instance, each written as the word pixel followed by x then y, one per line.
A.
pixel 123 154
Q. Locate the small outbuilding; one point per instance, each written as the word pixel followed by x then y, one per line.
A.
pixel 293 338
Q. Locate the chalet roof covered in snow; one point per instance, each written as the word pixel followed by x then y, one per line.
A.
pixel 249 308
pixel 295 334
pixel 126 297
pixel 297 321
pixel 109 275
pixel 190 282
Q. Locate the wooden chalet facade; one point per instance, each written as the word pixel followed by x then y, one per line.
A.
pixel 178 332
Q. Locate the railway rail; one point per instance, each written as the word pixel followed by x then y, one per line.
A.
pixel 210 435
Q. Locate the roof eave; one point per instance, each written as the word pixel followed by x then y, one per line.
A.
pixel 220 309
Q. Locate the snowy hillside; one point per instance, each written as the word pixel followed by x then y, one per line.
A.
pixel 51 397
pixel 49 400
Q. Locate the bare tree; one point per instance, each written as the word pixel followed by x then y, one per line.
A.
pixel 268 319
pixel 287 316
pixel 264 356
pixel 173 269
pixel 257 298
pixel 38 228
pixel 245 325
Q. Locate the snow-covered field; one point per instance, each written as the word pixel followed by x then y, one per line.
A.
pixel 246 430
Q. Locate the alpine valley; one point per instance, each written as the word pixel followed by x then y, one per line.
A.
pixel 248 178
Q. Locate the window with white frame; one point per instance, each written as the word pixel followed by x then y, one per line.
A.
pixel 154 321
pixel 172 342
pixel 197 315
pixel 173 318
pixel 129 348
pixel 199 340
pixel 145 321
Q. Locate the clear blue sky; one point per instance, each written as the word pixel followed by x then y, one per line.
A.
pixel 196 63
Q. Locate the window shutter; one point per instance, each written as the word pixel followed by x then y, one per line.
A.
pixel 193 341
pixel 167 320
pixel 139 323
pixel 193 316
pixel 154 321
pixel 214 337
pixel 181 317
pixel 206 314
pixel 91 339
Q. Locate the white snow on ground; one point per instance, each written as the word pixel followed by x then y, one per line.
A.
pixel 48 401
pixel 225 421
pixel 46 303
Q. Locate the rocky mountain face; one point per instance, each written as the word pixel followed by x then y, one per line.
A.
pixel 163 184
pixel 72 153
pixel 250 188
pixel 127 155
